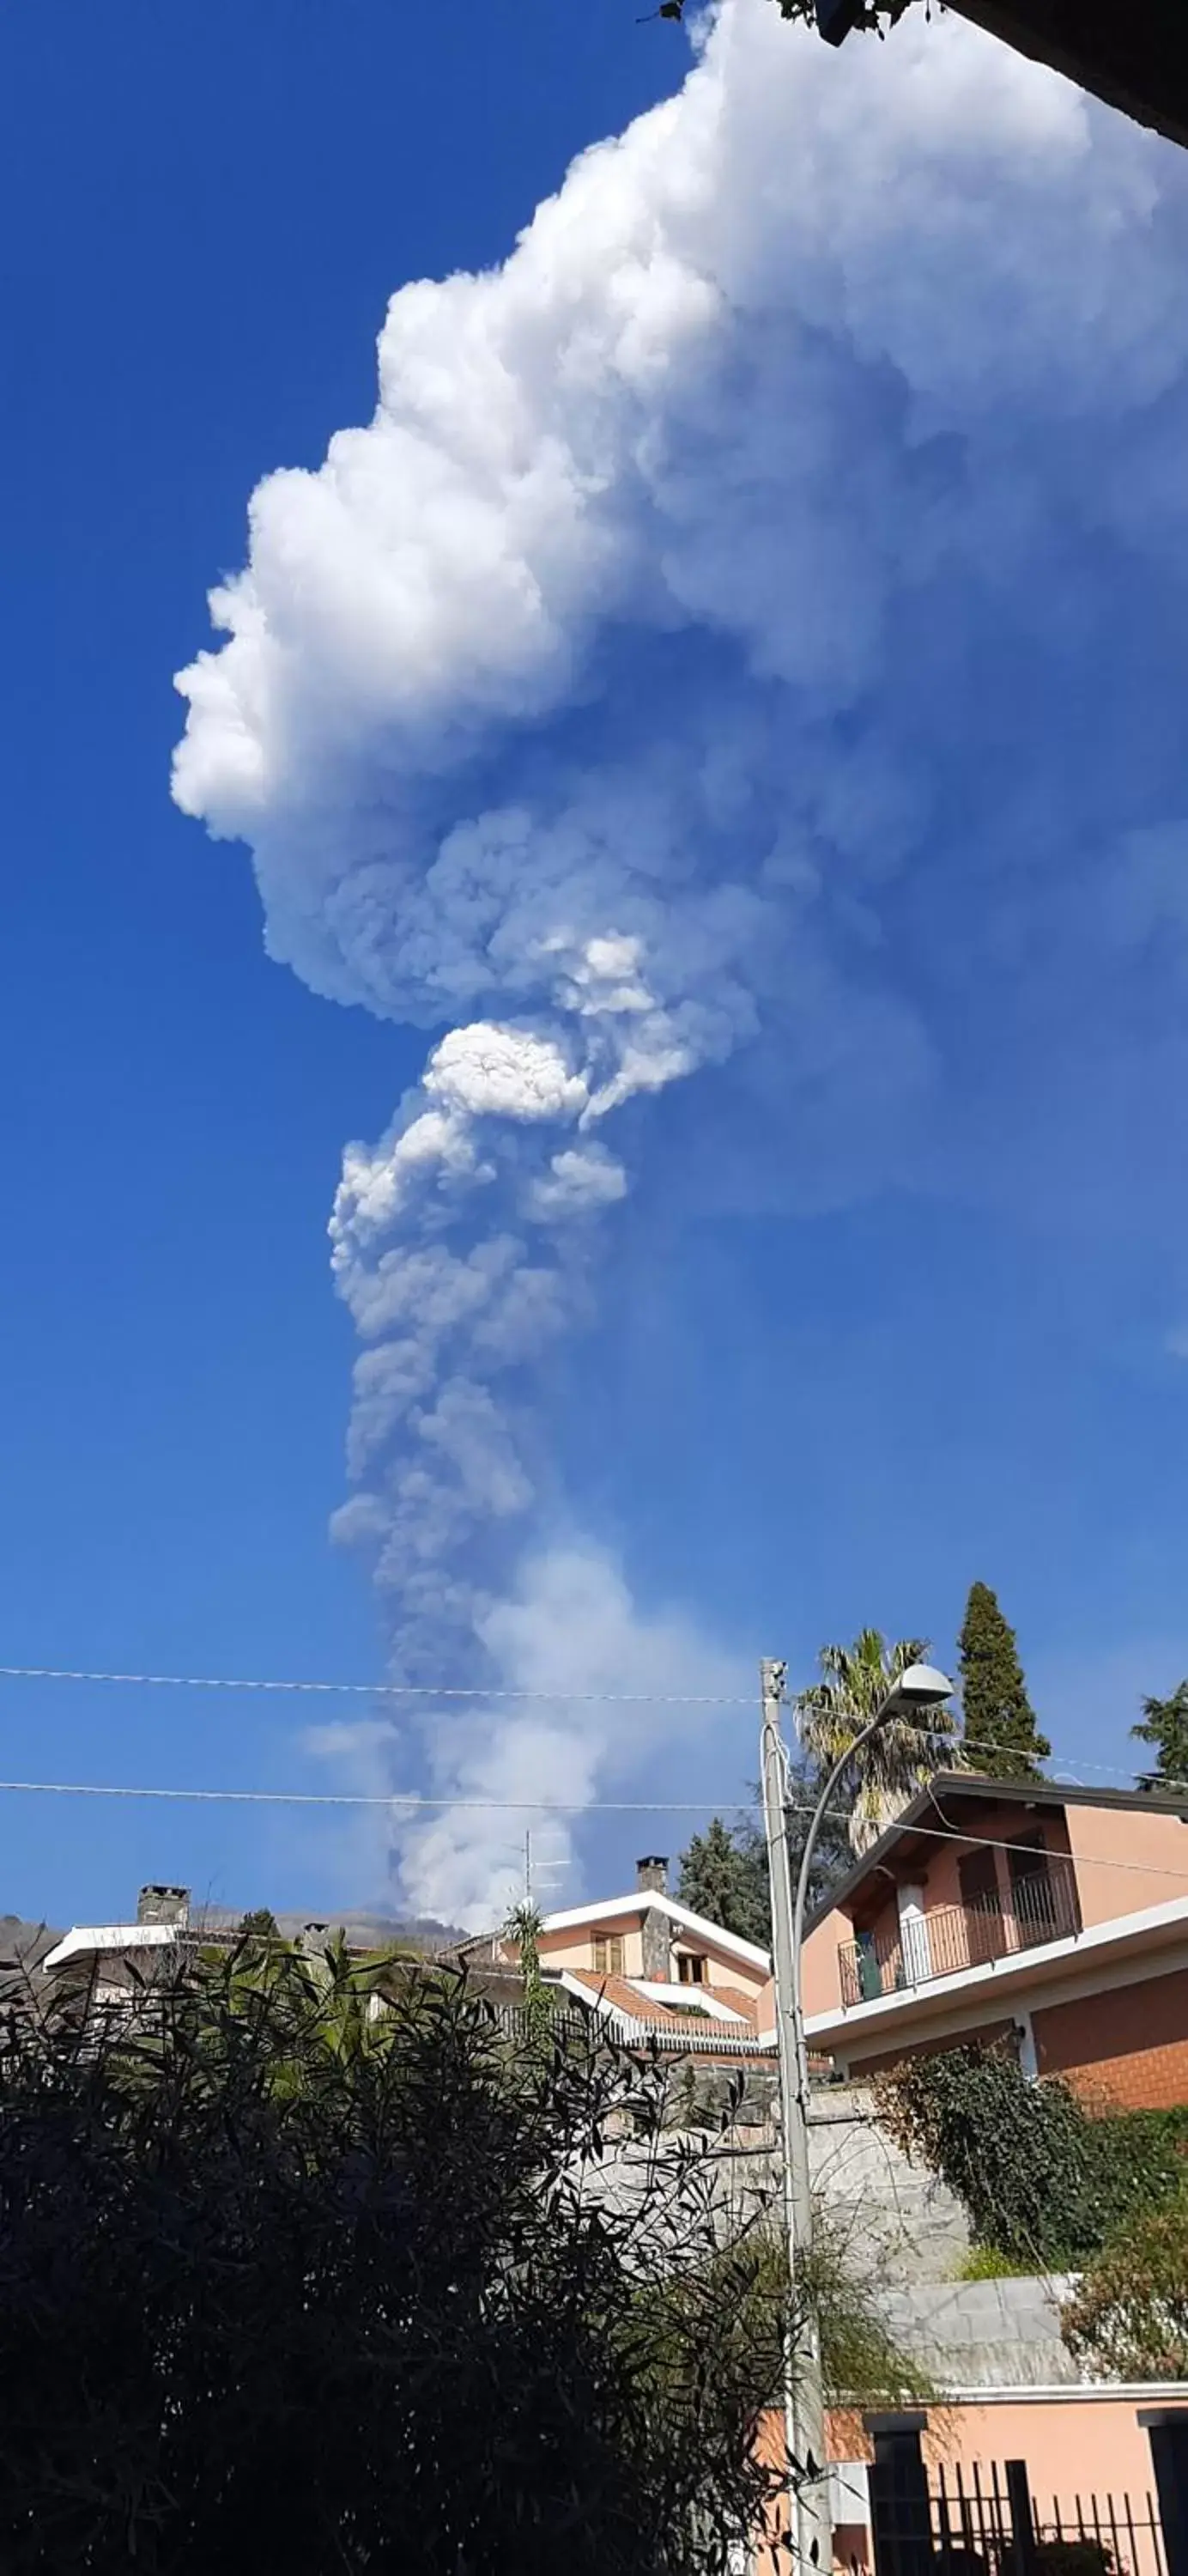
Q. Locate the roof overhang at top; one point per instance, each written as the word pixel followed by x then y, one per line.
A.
pixel 644 1900
pixel 1131 53
pixel 89 1938
pixel 934 1809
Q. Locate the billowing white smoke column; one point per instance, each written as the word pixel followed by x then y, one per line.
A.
pixel 580 706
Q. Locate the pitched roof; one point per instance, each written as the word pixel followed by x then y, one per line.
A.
pixel 87 1938
pixel 642 1899
pixel 924 1813
pixel 746 2006
pixel 622 1996
pixel 625 2002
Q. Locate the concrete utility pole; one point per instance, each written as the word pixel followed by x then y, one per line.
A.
pixel 920 1688
pixel 804 2410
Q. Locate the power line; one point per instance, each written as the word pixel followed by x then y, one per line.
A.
pixel 1088 1860
pixel 450 1690
pixel 393 1798
pixel 380 1690
pixel 526 1806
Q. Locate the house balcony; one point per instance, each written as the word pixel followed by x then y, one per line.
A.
pixel 944 1939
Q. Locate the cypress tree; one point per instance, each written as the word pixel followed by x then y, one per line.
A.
pixel 725 1878
pixel 723 1874
pixel 1000 1723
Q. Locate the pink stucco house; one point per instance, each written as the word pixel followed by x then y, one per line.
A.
pixel 1039 1907
pixel 652 1968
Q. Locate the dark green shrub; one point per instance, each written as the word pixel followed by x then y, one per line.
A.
pixel 323 2267
pixel 1044 2180
pixel 1075 2558
pixel 287 2285
pixel 1136 2161
pixel 1129 2315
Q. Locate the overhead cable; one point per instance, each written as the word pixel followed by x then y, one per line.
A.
pixel 473 1691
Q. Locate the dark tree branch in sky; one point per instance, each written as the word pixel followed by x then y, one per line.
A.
pixel 1164 1724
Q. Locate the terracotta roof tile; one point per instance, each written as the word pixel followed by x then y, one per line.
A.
pixel 627 1998
pixel 747 2006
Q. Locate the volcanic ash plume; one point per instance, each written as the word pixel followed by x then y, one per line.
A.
pixel 620 706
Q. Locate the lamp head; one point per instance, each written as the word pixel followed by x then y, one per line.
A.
pixel 921 1686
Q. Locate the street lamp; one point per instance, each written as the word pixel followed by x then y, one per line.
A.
pixel 921 1686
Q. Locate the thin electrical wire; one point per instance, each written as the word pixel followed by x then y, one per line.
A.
pixel 938 1831
pixel 448 1690
pixel 378 1690
pixel 991 1842
pixel 1088 1861
pixel 394 1798
pixel 933 1832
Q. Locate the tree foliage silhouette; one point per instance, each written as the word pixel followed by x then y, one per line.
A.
pixel 999 1721
pixel 1164 1724
pixel 723 1875
pixel 306 2264
pixel 854 1681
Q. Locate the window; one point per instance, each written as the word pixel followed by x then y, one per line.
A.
pixel 978 1875
pixel 981 1901
pixel 1041 1892
pixel 691 1971
pixel 608 1954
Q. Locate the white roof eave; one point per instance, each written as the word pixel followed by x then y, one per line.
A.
pixel 639 1902
pixel 89 1939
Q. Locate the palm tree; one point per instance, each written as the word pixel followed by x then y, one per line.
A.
pixel 524 1926
pixel 906 1751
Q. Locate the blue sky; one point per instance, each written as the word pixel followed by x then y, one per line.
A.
pixel 892 1291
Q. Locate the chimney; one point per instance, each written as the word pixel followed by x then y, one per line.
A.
pixel 652 1872
pixel 655 1939
pixel 163 1905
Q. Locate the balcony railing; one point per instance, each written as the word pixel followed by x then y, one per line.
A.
pixel 947 1938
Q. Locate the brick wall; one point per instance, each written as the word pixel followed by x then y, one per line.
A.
pixel 983 2035
pixel 1129 2047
